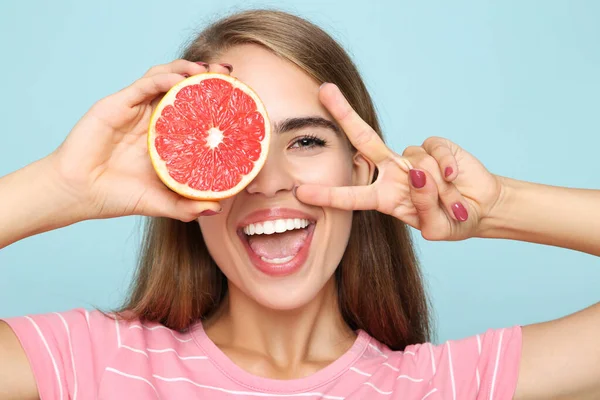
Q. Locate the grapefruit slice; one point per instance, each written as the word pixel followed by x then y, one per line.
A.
pixel 208 137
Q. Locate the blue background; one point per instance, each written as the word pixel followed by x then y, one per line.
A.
pixel 517 83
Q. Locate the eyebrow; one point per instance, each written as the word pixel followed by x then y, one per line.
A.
pixel 291 124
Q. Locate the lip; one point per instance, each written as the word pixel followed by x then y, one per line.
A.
pixel 277 270
pixel 271 214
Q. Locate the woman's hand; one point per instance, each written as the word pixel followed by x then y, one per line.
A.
pixel 438 187
pixel 104 161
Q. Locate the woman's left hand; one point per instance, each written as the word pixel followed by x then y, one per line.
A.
pixel 438 187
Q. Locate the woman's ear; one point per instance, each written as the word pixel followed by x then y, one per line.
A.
pixel 363 170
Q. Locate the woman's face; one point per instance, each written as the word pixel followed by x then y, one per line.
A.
pixel 287 268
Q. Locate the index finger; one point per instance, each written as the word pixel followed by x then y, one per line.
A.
pixel 180 66
pixel 360 134
pixel 148 88
pixel 342 197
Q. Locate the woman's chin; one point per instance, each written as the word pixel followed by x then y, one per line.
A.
pixel 285 296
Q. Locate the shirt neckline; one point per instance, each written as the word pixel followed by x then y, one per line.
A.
pixel 258 383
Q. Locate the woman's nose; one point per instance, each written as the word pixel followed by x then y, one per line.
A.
pixel 273 178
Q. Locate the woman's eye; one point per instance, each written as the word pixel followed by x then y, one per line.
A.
pixel 307 142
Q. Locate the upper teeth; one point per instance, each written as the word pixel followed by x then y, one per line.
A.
pixel 275 226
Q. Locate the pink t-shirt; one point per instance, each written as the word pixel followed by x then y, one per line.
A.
pixel 86 355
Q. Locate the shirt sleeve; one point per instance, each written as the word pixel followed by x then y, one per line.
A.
pixel 67 351
pixel 481 367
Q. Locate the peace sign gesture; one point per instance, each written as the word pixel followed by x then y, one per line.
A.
pixel 438 187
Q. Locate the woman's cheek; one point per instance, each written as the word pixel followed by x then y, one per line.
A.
pixel 324 169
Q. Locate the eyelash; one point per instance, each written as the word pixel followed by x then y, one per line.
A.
pixel 315 142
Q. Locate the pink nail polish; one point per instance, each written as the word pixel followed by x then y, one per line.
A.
pixel 460 212
pixel 208 213
pixel 448 171
pixel 228 66
pixel 417 178
pixel 202 64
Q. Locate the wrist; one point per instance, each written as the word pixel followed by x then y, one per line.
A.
pixel 498 220
pixel 67 203
pixel 35 200
pixel 550 215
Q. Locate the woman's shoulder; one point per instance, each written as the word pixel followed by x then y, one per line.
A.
pixel 77 348
pixel 98 325
pixel 76 319
pixel 489 361
pixel 482 344
pixel 76 328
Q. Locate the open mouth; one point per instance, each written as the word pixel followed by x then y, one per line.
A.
pixel 278 247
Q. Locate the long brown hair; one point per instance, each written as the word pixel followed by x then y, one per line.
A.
pixel 380 286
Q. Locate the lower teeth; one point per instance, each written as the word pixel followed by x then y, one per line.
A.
pixel 277 260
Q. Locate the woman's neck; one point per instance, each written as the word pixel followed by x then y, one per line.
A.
pixel 281 344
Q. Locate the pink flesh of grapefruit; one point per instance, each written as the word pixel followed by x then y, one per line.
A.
pixel 208 137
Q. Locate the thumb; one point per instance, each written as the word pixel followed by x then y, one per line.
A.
pixel 189 210
pixel 169 204
pixel 424 195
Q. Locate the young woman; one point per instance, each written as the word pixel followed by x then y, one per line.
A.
pixel 216 314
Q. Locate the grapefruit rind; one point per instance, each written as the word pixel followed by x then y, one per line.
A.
pixel 160 165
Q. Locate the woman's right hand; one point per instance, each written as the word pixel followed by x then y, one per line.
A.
pixel 104 161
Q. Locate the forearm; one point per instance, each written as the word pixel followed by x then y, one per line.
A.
pixel 32 202
pixel 556 216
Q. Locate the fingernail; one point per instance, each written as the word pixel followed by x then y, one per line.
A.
pixel 202 64
pixel 208 213
pixel 323 84
pixel 228 66
pixel 294 190
pixel 460 212
pixel 417 178
pixel 448 171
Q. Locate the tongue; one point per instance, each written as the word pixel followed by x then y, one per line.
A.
pixel 278 245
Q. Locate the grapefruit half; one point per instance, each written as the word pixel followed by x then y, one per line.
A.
pixel 208 137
